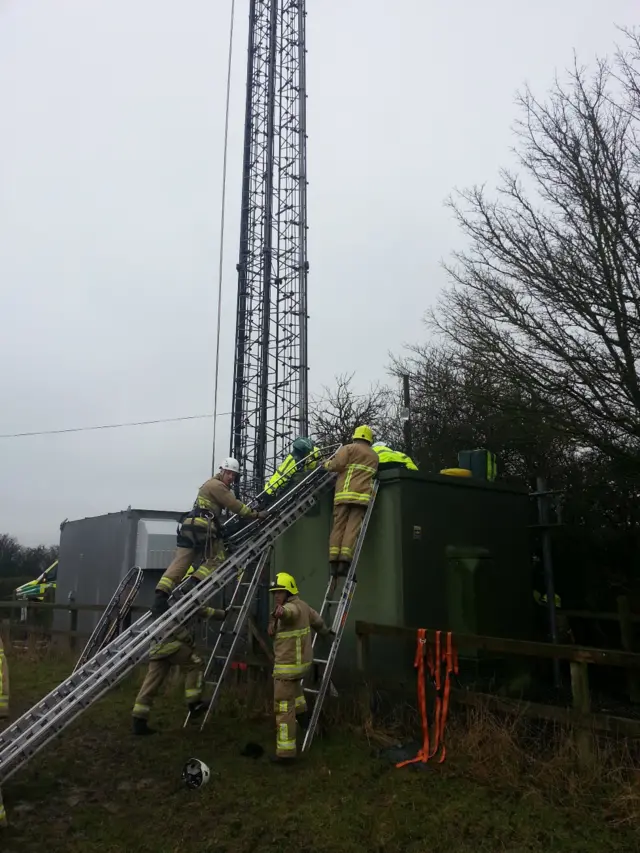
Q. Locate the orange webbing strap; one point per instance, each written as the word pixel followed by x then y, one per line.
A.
pixel 450 659
pixel 435 658
pixel 436 675
pixel 423 754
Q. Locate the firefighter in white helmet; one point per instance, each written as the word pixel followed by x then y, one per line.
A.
pixel 290 626
pixel 199 532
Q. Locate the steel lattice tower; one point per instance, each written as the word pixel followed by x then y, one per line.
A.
pixel 270 392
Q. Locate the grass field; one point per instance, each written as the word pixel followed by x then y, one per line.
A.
pixel 97 788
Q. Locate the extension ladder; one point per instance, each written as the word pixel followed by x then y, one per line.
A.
pixel 108 626
pixel 51 715
pixel 337 625
pixel 238 612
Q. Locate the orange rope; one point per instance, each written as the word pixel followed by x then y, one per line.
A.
pixel 435 658
pixel 423 754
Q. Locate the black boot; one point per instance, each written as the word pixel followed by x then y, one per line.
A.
pixel 278 759
pixel 303 720
pixel 140 727
pixel 343 569
pixel 197 709
pixel 160 604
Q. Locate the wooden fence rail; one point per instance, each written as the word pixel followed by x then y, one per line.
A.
pixel 579 658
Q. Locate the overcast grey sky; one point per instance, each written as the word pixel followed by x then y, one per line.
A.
pixel 111 124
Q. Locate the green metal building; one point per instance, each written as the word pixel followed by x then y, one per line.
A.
pixel 440 552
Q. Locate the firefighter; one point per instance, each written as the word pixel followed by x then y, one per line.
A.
pixel 356 465
pixel 290 626
pixel 199 533
pixel 177 650
pixel 4 712
pixel 301 449
pixel 389 458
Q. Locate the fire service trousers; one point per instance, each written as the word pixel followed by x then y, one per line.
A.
pixel 289 701
pixel 184 557
pixel 158 671
pixel 347 521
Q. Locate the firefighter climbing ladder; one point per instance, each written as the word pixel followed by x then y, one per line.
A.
pixel 238 611
pixel 49 717
pixel 337 626
pixel 113 618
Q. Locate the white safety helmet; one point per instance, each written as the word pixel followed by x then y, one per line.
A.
pixel 378 444
pixel 230 464
pixel 195 773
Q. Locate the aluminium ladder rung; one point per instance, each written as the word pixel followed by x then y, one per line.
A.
pixel 52 714
pixel 338 623
pixel 235 633
pixel 105 629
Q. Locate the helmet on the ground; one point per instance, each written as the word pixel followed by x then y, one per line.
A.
pixel 284 582
pixel 195 773
pixel 302 447
pixel 364 433
pixel 230 464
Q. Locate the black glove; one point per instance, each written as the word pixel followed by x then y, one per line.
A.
pixel 160 604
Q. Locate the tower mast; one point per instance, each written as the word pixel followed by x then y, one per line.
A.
pixel 270 390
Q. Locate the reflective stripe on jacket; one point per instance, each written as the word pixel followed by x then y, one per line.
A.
pixel 214 495
pixel 387 455
pixel 356 465
pixel 292 639
pixel 288 468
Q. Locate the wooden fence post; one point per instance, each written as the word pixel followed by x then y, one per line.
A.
pixel 581 703
pixel 364 694
pixel 73 627
pixel 362 652
pixel 627 638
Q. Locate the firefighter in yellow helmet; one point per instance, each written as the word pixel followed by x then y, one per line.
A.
pixel 4 712
pixel 356 465
pixel 290 626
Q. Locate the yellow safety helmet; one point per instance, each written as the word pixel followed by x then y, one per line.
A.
pixel 284 582
pixel 363 432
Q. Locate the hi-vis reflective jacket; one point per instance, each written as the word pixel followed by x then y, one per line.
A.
pixel 292 639
pixel 356 465
pixel 388 456
pixel 212 497
pixel 288 468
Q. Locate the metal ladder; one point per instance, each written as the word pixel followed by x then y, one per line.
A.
pixel 51 715
pixel 119 607
pixel 337 625
pixel 238 611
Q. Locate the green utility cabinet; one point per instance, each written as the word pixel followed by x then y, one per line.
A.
pixel 440 552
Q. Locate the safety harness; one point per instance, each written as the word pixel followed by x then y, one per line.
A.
pixel 435 657
pixel 203 525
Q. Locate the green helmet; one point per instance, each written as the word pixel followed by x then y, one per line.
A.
pixel 301 447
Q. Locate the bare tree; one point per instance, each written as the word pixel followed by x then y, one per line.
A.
pixel 457 405
pixel 547 297
pixel 336 412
